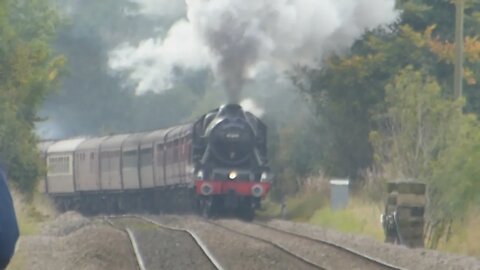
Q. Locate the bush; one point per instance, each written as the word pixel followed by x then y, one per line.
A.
pixel 360 217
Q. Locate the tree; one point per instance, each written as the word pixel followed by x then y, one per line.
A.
pixel 28 72
pixel 415 126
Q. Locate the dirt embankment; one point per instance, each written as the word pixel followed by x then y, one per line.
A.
pixel 74 242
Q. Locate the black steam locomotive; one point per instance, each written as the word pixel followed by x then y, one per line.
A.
pixel 219 162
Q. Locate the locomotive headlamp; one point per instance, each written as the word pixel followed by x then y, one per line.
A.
pixel 232 175
pixel 264 177
pixel 200 175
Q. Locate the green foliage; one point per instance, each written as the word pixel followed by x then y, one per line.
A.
pixel 424 136
pixel 359 217
pixel 269 209
pixel 417 125
pixel 300 207
pixel 28 71
pixel 454 182
pixel 303 207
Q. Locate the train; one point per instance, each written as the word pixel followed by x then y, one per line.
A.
pixel 215 165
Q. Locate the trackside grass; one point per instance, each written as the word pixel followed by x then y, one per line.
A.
pixel 29 217
pixel 465 237
pixel 359 217
pixel 31 214
pixel 362 217
pixel 299 208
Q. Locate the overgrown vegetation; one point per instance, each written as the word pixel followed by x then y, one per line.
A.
pixel 31 212
pixel 28 72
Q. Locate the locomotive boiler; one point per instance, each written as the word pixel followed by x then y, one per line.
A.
pixel 218 164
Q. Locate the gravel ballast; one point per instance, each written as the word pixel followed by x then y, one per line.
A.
pixel 74 242
pixel 324 255
pixel 162 248
pixel 421 259
pixel 234 251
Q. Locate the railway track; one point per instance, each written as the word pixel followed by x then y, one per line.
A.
pixel 333 256
pixel 271 243
pixel 133 243
pixel 334 246
pixel 140 258
pixel 313 253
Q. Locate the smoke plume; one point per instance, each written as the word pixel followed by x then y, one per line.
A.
pixel 249 105
pixel 233 37
pixel 161 8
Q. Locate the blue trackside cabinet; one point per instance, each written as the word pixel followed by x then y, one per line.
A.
pixel 339 193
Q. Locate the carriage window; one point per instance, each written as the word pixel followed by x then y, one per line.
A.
pixel 110 161
pixel 115 161
pixel 159 155
pixel 168 153
pixel 146 157
pixel 130 159
pixel 104 164
pixel 92 162
pixel 58 165
pixel 175 151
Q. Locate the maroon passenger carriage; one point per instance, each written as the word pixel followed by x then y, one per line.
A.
pixel 217 163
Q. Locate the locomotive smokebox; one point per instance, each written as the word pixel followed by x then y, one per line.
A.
pixel 231 136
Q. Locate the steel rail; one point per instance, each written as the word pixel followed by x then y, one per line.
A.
pixel 133 242
pixel 192 234
pixel 297 256
pixel 336 246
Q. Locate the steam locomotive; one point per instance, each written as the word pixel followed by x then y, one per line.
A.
pixel 216 165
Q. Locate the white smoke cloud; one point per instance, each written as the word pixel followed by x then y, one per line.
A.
pixel 249 104
pixel 161 8
pixel 232 37
pixel 151 64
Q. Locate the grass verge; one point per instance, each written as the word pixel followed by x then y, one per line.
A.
pixel 359 217
pixel 31 214
pixel 465 237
